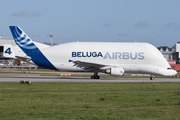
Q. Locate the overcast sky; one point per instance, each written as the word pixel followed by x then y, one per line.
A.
pixel 153 21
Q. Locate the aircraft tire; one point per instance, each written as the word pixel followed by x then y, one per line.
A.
pixel 151 78
pixel 95 77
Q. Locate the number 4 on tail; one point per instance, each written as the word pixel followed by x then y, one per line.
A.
pixel 8 51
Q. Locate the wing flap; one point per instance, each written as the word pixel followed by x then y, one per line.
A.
pixel 88 66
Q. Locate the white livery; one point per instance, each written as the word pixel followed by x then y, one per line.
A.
pixel 114 58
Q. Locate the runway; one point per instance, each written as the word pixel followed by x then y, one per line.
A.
pixel 39 78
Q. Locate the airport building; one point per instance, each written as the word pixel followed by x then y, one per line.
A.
pixel 171 53
pixel 3 60
pixel 166 51
pixel 175 52
pixel 5 41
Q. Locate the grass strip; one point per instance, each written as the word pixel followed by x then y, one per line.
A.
pixel 92 101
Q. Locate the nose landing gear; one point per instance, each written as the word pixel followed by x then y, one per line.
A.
pixel 152 77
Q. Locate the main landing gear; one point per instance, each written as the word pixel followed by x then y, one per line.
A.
pixel 95 76
pixel 152 77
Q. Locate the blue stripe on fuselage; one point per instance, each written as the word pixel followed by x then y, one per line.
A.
pixel 39 59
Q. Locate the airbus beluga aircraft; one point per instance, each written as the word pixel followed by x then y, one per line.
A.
pixel 114 58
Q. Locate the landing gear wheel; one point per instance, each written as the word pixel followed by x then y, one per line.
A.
pixel 151 78
pixel 95 77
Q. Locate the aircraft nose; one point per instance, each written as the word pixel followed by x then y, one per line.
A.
pixel 174 72
pixel 170 72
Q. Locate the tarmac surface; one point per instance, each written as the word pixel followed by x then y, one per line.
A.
pixel 39 78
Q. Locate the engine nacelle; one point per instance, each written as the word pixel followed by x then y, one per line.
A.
pixel 116 71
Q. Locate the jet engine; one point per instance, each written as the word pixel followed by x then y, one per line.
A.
pixel 116 71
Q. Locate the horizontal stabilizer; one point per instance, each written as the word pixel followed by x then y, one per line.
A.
pixel 24 58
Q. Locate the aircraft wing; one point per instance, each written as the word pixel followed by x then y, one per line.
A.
pixel 89 66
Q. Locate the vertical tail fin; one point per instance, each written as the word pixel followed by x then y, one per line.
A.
pixel 29 47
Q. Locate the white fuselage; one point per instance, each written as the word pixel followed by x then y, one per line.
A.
pixel 133 57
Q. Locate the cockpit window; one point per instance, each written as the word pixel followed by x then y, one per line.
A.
pixel 169 68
